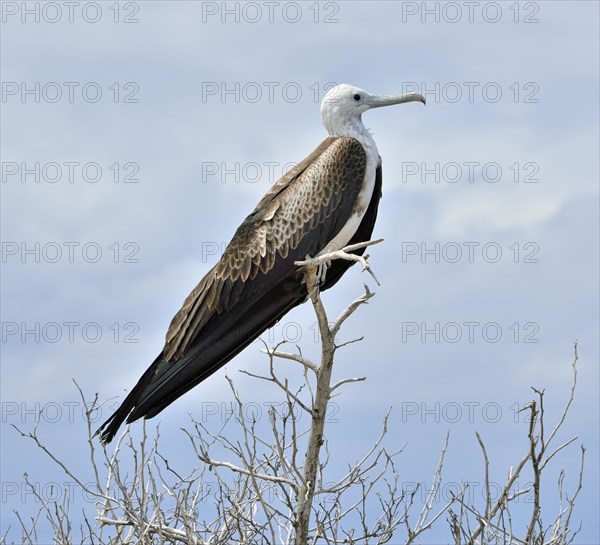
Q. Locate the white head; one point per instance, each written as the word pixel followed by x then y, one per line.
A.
pixel 343 106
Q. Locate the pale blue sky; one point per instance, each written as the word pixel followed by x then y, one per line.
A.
pixel 544 125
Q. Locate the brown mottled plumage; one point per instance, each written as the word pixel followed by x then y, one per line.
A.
pixel 299 202
pixel 330 199
pixel 255 282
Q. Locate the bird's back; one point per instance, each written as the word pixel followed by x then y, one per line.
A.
pixel 255 283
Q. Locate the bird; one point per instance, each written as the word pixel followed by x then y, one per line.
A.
pixel 324 203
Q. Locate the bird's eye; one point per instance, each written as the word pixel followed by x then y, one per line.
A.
pixel 356 97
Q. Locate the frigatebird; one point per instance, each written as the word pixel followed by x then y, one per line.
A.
pixel 327 201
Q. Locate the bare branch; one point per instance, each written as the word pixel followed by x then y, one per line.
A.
pixel 266 484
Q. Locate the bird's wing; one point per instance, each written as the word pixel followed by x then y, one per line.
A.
pixel 299 215
pixel 256 282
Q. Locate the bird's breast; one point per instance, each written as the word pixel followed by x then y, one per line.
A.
pixel 362 201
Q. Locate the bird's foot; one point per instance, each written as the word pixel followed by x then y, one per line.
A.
pixel 316 271
pixel 322 272
pixel 321 269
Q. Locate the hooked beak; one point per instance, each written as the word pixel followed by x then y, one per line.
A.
pixel 376 101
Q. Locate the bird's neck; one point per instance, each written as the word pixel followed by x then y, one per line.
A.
pixel 354 128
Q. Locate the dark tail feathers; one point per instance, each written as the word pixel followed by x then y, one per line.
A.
pixel 108 430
